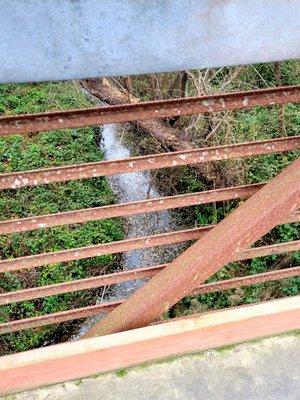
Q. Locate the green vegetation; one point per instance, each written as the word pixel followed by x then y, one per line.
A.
pixel 47 149
pixel 248 125
pixel 259 123
pixel 73 146
pixel 121 373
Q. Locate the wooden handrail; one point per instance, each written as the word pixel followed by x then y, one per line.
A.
pixel 88 357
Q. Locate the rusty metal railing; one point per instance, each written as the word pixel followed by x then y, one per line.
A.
pixel 139 273
pixel 278 212
pixel 147 110
pixel 124 210
pixel 248 223
pixel 16 180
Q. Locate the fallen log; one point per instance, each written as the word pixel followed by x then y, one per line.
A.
pixel 112 94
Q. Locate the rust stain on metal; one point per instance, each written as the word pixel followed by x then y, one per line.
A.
pixel 17 180
pixel 69 315
pixel 139 273
pixel 148 110
pixel 122 210
pixel 79 253
pixel 247 280
pixel 244 226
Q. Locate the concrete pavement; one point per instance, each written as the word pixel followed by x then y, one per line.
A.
pixel 265 370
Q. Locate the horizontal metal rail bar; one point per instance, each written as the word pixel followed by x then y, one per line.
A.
pixel 270 250
pixel 148 110
pixel 69 315
pixel 122 210
pixel 20 179
pixel 80 284
pixel 57 318
pixel 79 253
pixel 247 280
pixel 140 273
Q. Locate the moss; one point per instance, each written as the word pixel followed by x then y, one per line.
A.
pixel 78 382
pixel 121 373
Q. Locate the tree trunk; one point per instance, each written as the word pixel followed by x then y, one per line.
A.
pixel 112 94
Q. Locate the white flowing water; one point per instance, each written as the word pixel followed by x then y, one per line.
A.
pixel 132 187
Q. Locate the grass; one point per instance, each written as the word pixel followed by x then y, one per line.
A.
pixel 42 150
pixel 241 126
pixel 259 123
pixel 72 146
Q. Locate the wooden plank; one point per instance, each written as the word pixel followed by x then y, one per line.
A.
pixel 87 357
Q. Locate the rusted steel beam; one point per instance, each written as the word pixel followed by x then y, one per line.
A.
pixel 20 179
pixel 148 110
pixel 139 273
pixel 247 280
pixel 264 251
pixel 294 217
pixel 69 315
pixel 80 284
pixel 56 318
pixel 122 210
pixel 15 264
pixel 244 226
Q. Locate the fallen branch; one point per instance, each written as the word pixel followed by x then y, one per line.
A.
pixel 110 93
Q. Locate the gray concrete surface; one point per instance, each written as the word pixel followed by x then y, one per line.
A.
pixel 265 370
pixel 73 39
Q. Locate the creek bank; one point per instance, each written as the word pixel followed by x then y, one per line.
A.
pixel 133 187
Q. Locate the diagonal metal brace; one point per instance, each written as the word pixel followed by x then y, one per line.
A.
pixel 248 223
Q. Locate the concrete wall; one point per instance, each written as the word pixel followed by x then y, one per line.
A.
pixel 67 39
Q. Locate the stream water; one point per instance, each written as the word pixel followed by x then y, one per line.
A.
pixel 132 187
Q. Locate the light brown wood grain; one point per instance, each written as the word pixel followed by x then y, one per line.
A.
pixel 87 357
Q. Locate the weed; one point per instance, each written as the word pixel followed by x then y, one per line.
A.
pixel 54 148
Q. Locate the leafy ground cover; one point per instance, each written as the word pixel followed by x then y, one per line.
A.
pixel 47 149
